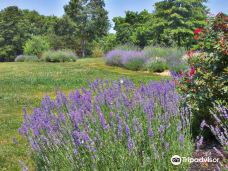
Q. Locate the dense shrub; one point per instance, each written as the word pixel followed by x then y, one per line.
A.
pixel 107 43
pixel 113 125
pixel 151 51
pixel 59 56
pixel 170 58
pixel 114 57
pixel 97 52
pixel 156 64
pixel 26 58
pixel 133 60
pixel 134 63
pixel 206 81
pixel 173 56
pixel 36 46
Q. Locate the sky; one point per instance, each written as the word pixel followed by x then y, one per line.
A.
pixel 114 7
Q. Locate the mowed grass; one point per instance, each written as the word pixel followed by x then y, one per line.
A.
pixel 24 85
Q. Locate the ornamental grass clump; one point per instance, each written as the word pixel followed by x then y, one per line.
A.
pixel 112 125
pixel 59 56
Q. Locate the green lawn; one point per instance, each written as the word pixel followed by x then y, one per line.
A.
pixel 24 84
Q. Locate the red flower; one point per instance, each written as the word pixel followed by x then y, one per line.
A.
pixel 192 71
pixel 190 53
pixel 196 37
pixel 197 31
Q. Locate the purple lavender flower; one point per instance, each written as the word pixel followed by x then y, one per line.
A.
pixel 199 142
pixel 119 125
pixel 150 132
pixel 181 139
pixel 161 129
pixel 103 121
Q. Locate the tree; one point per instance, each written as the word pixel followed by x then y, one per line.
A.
pixel 176 20
pixel 17 26
pixel 90 18
pixel 133 28
pixel 9 35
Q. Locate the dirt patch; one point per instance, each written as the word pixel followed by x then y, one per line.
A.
pixel 216 153
pixel 165 73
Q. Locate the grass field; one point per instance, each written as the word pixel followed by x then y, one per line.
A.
pixel 24 84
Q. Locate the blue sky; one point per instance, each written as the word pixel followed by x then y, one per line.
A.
pixel 115 7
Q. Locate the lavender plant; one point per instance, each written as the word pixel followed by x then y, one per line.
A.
pixel 220 129
pixel 113 125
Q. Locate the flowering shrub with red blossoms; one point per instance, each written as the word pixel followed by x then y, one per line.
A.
pixel 205 83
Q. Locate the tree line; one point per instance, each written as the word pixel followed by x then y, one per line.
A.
pixel 85 25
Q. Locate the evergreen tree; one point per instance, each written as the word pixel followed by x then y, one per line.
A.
pixel 176 20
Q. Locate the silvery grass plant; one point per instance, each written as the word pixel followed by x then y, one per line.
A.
pixel 26 58
pixel 112 125
pixel 173 56
pixel 59 56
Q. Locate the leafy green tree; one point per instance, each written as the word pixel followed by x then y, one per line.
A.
pixel 9 34
pixel 17 26
pixel 90 18
pixel 64 34
pixel 133 28
pixel 36 46
pixel 176 20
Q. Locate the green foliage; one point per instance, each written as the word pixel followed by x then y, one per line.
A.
pixel 91 19
pixel 59 56
pixel 206 82
pixel 132 28
pixel 106 43
pixel 16 27
pixel 36 46
pixel 176 21
pixel 171 24
pixel 156 65
pixel 134 63
pixel 26 58
pixel 97 52
pixel 173 57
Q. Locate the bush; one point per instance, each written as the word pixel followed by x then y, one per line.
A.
pixel 156 65
pixel 26 58
pixel 114 58
pixel 59 56
pixel 206 81
pixel 132 60
pixel 135 128
pixel 173 56
pixel 134 63
pixel 36 45
pixel 97 52
pixel 151 51
pixel 107 43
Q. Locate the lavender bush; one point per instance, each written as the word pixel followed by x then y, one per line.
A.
pixel 132 60
pixel 220 130
pixel 171 58
pixel 113 125
pixel 156 64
